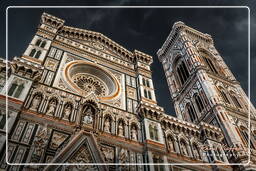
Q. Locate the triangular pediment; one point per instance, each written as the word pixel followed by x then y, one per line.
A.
pixel 82 149
pixel 96 41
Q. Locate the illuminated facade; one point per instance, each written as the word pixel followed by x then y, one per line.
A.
pixel 76 96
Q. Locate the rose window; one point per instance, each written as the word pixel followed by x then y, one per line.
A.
pixel 86 78
pixel 89 83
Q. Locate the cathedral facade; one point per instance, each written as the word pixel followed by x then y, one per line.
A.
pixel 77 97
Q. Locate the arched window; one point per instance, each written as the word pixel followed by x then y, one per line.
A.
pixel 38 42
pixel 235 100
pixel 32 53
pixel 149 95
pixel 19 91
pixel 12 89
pixel 191 112
pixel 223 95
pixel 43 44
pixel 182 72
pixel 145 93
pixel 210 65
pixel 38 53
pixel 143 81
pixel 148 83
pixel 199 102
pixel 151 132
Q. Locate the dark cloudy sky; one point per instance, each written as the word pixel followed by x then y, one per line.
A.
pixel 146 29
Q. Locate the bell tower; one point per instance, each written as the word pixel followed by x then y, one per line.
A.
pixel 202 87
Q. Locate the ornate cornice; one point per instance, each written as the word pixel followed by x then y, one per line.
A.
pixel 175 33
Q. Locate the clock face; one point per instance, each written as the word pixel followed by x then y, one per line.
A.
pixel 86 78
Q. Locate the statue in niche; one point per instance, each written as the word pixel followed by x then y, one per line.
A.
pixel 88 116
pixel 108 153
pixel 134 133
pixel 120 129
pixel 36 102
pixel 183 148
pixel 52 107
pixel 107 125
pixel 123 156
pixel 67 112
pixel 171 144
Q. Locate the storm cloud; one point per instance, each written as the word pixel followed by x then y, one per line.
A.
pixel 146 29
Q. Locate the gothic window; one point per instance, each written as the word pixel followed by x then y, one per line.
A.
pixel 182 72
pixel 19 91
pixel 16 89
pixel 158 159
pixel 32 53
pixel 223 95
pixel 148 83
pixel 144 81
pixel 191 112
pixel 199 102
pixel 210 65
pixel 245 136
pixel 235 100
pixel 153 132
pixel 149 95
pixel 145 93
pixel 43 44
pixel 12 89
pixel 38 42
pixel 38 53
